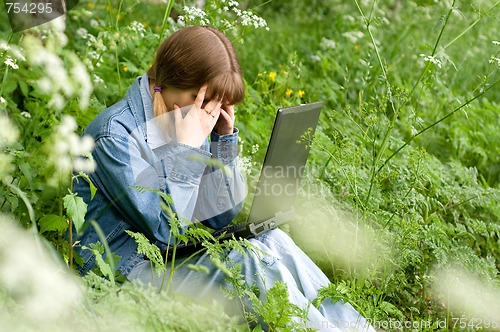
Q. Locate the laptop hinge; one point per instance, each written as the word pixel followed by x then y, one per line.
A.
pixel 266 225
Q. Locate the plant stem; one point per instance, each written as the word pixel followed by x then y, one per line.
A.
pixel 434 124
pixel 385 140
pixel 4 79
pixel 107 250
pixel 118 15
pixel 70 228
pixel 470 26
pixel 166 14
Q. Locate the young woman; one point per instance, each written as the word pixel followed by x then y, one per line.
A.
pixel 172 132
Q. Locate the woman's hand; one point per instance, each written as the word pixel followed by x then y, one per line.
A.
pixel 225 124
pixel 194 128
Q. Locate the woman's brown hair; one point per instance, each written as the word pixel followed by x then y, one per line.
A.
pixel 194 56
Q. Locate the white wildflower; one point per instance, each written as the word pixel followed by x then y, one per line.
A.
pixel 431 59
pixel 67 126
pixel 138 28
pixel 37 54
pixel 250 19
pixel 11 63
pixel 327 43
pixel 93 55
pixel 245 165
pixel 17 53
pixel 80 75
pixel 91 40
pixel 4 46
pixel 315 58
pixel 255 148
pixel 86 165
pixel 70 152
pixel 495 61
pixel 99 45
pixel 97 79
pixel 82 32
pixel 32 278
pixel 59 25
pixel 2 100
pixel 27 115
pixel 353 36
pixel 194 13
pixel 57 101
pixel 348 18
pixel 9 132
pixel 496 42
pixel 45 84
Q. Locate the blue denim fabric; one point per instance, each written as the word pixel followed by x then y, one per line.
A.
pixel 277 258
pixel 131 152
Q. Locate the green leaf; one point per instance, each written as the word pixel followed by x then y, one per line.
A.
pixel 105 268
pixel 198 268
pixel 93 188
pixel 149 249
pixel 52 222
pixel 76 209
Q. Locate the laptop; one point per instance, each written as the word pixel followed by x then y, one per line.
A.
pixel 279 180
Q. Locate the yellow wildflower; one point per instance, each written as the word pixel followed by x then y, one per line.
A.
pixel 272 75
pixel 356 47
pixel 90 5
pixel 288 92
pixel 301 93
pixel 125 68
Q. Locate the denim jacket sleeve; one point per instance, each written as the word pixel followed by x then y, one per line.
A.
pixel 199 191
pixel 222 188
pixel 129 167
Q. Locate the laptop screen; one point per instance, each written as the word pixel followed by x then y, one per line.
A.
pixel 285 161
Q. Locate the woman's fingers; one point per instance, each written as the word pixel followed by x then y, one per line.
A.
pixel 230 111
pixel 213 107
pixel 200 97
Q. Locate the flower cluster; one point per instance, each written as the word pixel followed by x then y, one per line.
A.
pixel 353 36
pixel 432 59
pixel 68 151
pixel 251 19
pixel 33 279
pixel 194 14
pixel 327 44
pixel 8 136
pixel 495 61
pixel 138 28
pixel 12 54
pixel 57 81
pixel 96 47
pixel 11 63
pixel 234 16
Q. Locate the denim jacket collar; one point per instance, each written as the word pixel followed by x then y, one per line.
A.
pixel 141 101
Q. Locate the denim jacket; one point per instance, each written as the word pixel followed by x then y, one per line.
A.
pixel 130 153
